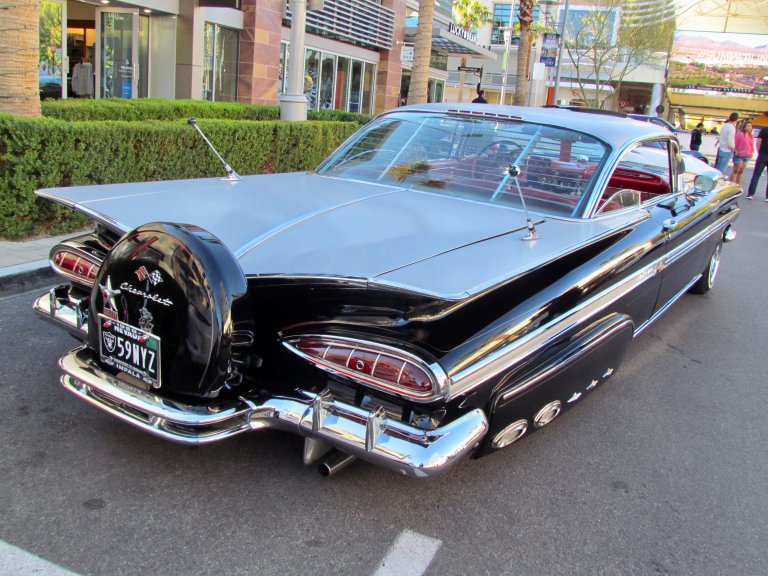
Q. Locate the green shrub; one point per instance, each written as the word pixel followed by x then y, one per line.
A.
pixel 144 109
pixel 43 153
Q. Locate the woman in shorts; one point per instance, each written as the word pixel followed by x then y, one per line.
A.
pixel 744 150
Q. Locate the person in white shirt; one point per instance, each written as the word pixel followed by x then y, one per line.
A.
pixel 726 142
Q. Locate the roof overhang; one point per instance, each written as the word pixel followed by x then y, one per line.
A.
pixel 448 43
pixel 735 16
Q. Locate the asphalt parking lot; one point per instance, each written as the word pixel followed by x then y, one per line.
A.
pixel 662 471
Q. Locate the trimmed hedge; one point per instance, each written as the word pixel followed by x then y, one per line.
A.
pixel 159 109
pixel 42 153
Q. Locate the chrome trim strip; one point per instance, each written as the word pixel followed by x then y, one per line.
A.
pixel 664 308
pixel 368 434
pixel 694 241
pixel 589 345
pixel 98 217
pixel 471 377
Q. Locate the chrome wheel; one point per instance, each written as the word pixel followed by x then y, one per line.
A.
pixel 714 264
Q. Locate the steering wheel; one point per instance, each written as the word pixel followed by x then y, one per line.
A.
pixel 494 157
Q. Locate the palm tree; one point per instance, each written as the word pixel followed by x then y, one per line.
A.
pixel 523 52
pixel 469 14
pixel 422 49
pixel 19 32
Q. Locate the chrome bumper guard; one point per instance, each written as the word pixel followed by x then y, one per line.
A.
pixel 59 307
pixel 370 435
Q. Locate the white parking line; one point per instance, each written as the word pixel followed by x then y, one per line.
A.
pixel 410 555
pixel 16 562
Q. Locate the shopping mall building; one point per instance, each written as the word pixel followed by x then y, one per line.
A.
pixel 358 53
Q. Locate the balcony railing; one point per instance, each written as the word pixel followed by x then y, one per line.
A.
pixel 362 22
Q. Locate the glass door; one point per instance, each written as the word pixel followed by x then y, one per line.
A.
pixel 122 36
pixel 53 62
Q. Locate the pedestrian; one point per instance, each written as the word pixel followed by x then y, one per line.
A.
pixel 726 143
pixel 761 144
pixel 480 98
pixel 745 148
pixel 696 136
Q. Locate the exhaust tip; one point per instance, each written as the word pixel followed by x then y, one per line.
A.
pixel 547 414
pixel 336 461
pixel 510 434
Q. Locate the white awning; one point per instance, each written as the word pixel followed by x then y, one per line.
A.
pixel 736 16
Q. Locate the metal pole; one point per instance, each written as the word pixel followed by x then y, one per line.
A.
pixel 507 44
pixel 560 50
pixel 293 102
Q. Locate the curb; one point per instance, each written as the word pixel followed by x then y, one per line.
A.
pixel 24 277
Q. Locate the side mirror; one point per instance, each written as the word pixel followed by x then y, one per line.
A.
pixel 703 184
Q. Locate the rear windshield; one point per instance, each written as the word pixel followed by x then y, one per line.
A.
pixel 481 159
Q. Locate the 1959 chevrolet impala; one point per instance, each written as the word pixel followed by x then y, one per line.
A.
pixel 447 282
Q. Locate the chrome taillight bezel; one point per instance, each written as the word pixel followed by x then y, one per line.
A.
pixel 89 263
pixel 438 378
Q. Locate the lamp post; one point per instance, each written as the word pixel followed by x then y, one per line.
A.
pixel 507 44
pixel 560 50
pixel 293 102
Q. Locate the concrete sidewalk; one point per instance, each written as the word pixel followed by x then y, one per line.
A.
pixel 26 263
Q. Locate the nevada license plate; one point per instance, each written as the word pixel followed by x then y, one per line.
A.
pixel 130 350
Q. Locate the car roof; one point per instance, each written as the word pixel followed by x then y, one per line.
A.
pixel 613 129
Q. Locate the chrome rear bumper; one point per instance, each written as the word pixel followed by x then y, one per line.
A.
pixel 369 435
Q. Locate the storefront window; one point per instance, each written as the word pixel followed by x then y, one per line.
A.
pixel 342 84
pixel 354 86
pixel 438 60
pixel 439 88
pixel 49 64
pixel 220 55
pixel 367 89
pixel 327 76
pixel 311 77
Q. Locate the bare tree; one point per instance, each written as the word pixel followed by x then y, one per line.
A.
pixel 19 56
pixel 523 52
pixel 613 40
pixel 418 91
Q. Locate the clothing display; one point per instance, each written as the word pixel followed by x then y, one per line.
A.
pixel 82 79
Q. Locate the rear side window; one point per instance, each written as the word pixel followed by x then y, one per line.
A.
pixel 643 175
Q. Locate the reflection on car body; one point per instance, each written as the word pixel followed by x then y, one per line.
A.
pixel 451 279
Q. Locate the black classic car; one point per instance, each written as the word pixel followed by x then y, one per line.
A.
pixel 450 280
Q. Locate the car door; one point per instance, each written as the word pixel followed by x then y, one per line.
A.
pixel 685 219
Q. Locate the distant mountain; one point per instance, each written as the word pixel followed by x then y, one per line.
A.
pixel 690 43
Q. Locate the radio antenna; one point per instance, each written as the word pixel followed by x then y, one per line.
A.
pixel 232 176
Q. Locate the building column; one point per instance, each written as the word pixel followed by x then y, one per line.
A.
pixel 389 69
pixel 259 66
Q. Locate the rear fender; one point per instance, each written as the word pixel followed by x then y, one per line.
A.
pixel 585 361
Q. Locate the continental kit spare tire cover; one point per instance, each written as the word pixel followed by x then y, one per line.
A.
pixel 172 288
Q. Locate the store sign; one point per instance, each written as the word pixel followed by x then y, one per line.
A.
pixel 462 33
pixel 406 54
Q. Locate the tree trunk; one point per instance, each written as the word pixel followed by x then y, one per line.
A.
pixel 422 49
pixel 19 56
pixel 523 53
